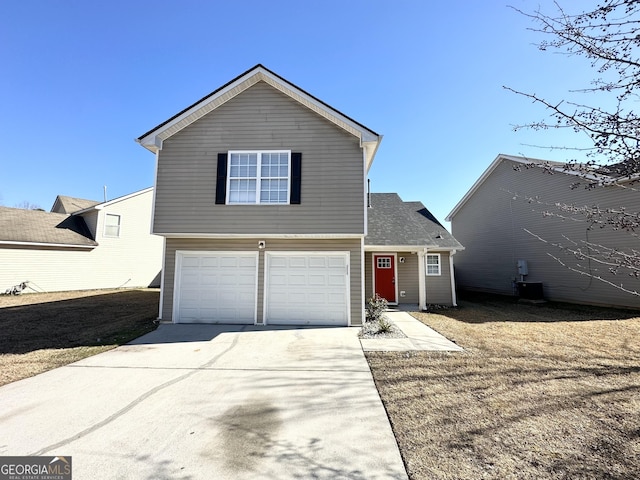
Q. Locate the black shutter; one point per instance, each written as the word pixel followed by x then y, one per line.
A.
pixel 296 177
pixel 221 180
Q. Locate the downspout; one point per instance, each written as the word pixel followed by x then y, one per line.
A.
pixel 454 300
pixel 362 292
pixel 162 266
pixel 422 288
pixel 366 231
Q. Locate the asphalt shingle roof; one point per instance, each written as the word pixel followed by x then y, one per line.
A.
pixel 71 204
pixel 35 226
pixel 394 222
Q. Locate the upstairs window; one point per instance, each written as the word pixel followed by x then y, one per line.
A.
pixel 111 225
pixel 433 263
pixel 258 177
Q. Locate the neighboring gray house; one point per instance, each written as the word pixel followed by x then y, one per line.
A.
pixel 261 196
pixel 408 253
pixel 81 245
pixel 511 214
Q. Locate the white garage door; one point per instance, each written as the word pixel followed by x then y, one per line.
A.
pixel 216 287
pixel 307 288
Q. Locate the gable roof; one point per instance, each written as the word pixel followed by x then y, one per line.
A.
pixel 392 222
pixel 600 175
pixel 65 204
pixel 101 205
pixel 152 140
pixel 35 227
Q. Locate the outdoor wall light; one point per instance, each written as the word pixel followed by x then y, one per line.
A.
pixel 262 244
pixel 401 259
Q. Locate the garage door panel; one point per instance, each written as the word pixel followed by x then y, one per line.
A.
pixel 211 262
pixel 190 262
pixel 306 289
pixel 318 262
pixel 216 287
pixel 336 262
pixel 247 262
pixel 317 280
pixel 297 262
pixel 228 262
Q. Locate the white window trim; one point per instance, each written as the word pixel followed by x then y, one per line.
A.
pixel 427 265
pixel 258 176
pixel 104 232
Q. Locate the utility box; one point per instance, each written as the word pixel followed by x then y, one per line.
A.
pixel 523 268
pixel 530 290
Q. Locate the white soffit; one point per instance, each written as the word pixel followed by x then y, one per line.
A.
pixel 153 140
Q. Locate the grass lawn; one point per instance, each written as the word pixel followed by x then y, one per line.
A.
pixel 41 331
pixel 542 391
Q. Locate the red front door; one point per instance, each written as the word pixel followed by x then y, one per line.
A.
pixel 385 276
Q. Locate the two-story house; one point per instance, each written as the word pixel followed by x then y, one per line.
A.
pixel 260 193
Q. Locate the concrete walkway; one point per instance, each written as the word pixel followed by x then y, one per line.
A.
pixel 419 337
pixel 207 401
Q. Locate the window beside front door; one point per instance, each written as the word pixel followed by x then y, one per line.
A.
pixel 433 263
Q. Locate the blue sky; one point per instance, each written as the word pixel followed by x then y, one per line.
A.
pixel 81 80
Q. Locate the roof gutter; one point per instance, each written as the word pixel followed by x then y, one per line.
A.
pixel 409 248
pixel 43 244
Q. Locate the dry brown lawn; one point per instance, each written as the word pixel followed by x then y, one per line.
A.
pixel 547 391
pixel 41 331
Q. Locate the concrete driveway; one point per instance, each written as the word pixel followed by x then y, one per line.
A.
pixel 209 402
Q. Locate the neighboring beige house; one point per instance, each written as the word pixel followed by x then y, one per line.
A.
pixel 514 231
pixel 261 197
pixel 81 244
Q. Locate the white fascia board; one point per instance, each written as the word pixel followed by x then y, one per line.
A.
pixel 521 160
pixel 475 186
pixel 370 148
pixel 364 134
pixel 260 235
pixel 153 140
pixel 100 206
pixel 396 248
pixel 53 245
pixel 410 248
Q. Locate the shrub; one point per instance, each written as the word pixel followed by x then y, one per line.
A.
pixel 376 306
pixel 384 325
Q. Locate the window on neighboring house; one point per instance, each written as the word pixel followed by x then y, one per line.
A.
pixel 433 263
pixel 111 225
pixel 258 177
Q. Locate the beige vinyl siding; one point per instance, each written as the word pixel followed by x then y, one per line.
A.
pixel 368 275
pixel 407 276
pixel 261 118
pixel 439 286
pixel 491 225
pixel 132 260
pixel 353 246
